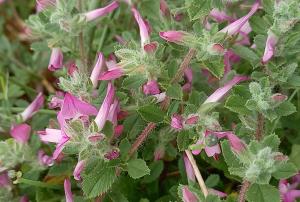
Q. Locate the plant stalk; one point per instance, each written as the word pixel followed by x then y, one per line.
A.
pixel 245 186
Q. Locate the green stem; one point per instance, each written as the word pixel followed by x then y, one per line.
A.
pixel 20 109
pixel 39 184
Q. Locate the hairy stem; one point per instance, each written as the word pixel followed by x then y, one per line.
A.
pixel 184 65
pixel 141 138
pixel 245 186
pixel 260 127
pixel 197 173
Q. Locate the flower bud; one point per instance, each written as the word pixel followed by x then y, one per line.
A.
pixel 278 97
pixel 94 14
pixel 173 36
pixel 56 59
pixel 113 154
pixel 151 88
pixel 176 122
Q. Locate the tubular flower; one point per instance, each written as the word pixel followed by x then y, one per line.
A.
pixel 144 33
pixel 270 47
pixel 289 192
pixel 68 191
pixel 56 59
pixel 78 168
pixel 111 74
pixel 188 168
pixel 94 14
pixel 220 92
pixel 173 36
pixel 151 88
pixel 99 67
pixel 237 25
pixel 104 109
pixel 188 196
pixel 36 104
pixel 43 4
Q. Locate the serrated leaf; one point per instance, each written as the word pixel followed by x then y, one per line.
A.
pixel 198 9
pixel 212 180
pixel 133 82
pixel 175 92
pixel 247 54
pixel 285 171
pixel 98 179
pixel 230 159
pixel 151 113
pixel 137 168
pixel 156 168
pixel 183 140
pixel 294 156
pixel 215 65
pixel 285 109
pixel 236 104
pixel 263 193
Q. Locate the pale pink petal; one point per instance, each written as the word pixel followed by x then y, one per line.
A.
pixel 68 191
pixel 173 36
pixel 188 168
pixel 188 196
pixel 111 74
pixel 218 193
pixel 219 16
pixel 44 159
pixel 78 168
pixel 160 97
pixel 4 180
pixel 236 26
pixel 21 132
pixel 144 34
pixel 113 113
pixel 56 59
pixel 177 122
pixel 98 69
pixel 270 47
pixel 36 104
pixel 50 135
pixel 94 14
pixel 43 4
pixel 73 107
pixel 151 88
pixel 60 146
pixel 104 109
pixel 220 92
pixel 213 150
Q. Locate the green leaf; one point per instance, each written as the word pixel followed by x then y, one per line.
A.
pixel 215 65
pixel 133 82
pixel 175 92
pixel 285 109
pixel 98 179
pixel 212 180
pixel 151 113
pixel 272 141
pixel 183 140
pixel 247 54
pixel 285 171
pixel 108 129
pixel 262 193
pixel 294 156
pixel 156 168
pixel 137 168
pixel 236 104
pixel 230 159
pixel 198 9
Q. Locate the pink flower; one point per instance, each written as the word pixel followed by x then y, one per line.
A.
pixel 173 36
pixel 104 109
pixel 24 199
pixel 43 4
pixel 118 130
pixel 99 67
pixel 159 153
pixel 220 92
pixel 56 59
pixel 188 168
pixel 237 25
pixel 150 48
pixel 94 14
pixel 111 74
pixel 211 145
pixel 219 16
pixel 113 112
pixel 278 97
pixel 163 6
pixel 113 154
pixel 270 47
pixel 55 136
pixel 73 107
pixel 21 132
pixel 36 104
pixel 68 191
pixel 4 180
pixel 192 119
pixel 55 102
pixel 188 196
pixel 44 159
pixel 78 168
pixel 144 31
pixel 151 88
pixel 289 192
pixel 177 122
